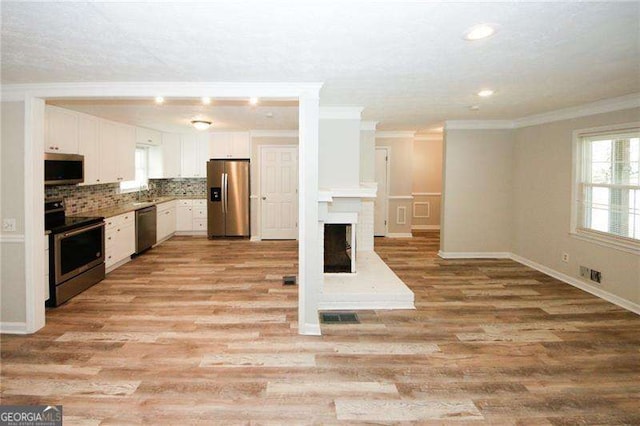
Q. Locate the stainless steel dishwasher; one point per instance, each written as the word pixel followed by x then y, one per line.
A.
pixel 145 228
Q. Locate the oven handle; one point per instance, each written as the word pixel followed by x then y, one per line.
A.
pixel 79 231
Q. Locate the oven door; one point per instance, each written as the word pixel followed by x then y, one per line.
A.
pixel 78 250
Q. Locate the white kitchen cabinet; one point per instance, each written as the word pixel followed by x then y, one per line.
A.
pixel 230 145
pixel 88 145
pixel 165 160
pixel 125 152
pixel 61 130
pixel 146 136
pixel 194 155
pixel 120 238
pixel 166 220
pixel 192 216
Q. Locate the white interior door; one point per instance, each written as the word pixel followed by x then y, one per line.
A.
pixel 380 211
pixel 279 192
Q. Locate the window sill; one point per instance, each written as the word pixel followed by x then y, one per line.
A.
pixel 605 241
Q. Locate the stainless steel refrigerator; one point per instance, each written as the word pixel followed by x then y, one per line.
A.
pixel 228 198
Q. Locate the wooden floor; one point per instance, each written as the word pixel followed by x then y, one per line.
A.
pixel 203 332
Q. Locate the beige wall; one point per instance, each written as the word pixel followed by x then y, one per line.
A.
pixel 339 153
pixel 542 169
pixel 400 182
pixel 427 179
pixel 256 143
pixel 477 192
pixel 12 285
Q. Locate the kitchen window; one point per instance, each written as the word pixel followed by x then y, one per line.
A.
pixel 142 172
pixel 607 186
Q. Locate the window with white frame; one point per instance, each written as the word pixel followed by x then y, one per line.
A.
pixel 608 186
pixel 142 172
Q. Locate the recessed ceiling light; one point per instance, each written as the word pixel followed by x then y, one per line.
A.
pixel 159 99
pixel 206 100
pixel 253 101
pixel 478 32
pixel 485 93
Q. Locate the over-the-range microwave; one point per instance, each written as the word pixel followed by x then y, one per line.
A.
pixel 63 169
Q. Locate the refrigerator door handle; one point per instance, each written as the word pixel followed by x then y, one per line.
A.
pixel 225 183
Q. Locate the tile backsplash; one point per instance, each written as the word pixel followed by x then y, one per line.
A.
pixel 81 199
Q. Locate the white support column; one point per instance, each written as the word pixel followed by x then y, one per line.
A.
pixel 34 213
pixel 309 253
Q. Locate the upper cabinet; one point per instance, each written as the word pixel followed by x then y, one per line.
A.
pixel 148 137
pixel 88 146
pixel 61 130
pixel 194 155
pixel 165 160
pixel 116 151
pixel 230 145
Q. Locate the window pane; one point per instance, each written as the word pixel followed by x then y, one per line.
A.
pixel 599 220
pixel 601 172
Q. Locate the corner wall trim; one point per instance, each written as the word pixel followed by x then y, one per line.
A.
pixel 309 329
pixel 609 297
pixel 399 235
pixel 13 327
pixel 425 227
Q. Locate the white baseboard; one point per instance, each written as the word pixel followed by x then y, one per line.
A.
pixel 474 255
pixel 425 227
pixel 603 294
pixel 13 327
pixel 117 265
pixel 191 233
pixel 365 305
pixel 255 238
pixel 309 329
pixel 399 235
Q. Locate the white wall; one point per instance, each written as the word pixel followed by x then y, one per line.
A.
pixel 12 269
pixel 427 179
pixel 477 202
pixel 541 209
pixel 367 155
pixel 339 153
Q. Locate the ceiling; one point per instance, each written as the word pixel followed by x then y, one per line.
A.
pixel 406 63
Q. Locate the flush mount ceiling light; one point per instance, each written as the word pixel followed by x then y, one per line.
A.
pixel 474 107
pixel 478 32
pixel 206 100
pixel 201 124
pixel 159 99
pixel 253 101
pixel 485 93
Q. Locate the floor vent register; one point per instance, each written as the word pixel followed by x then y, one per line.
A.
pixel 339 318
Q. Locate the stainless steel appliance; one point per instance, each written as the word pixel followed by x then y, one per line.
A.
pixel 76 252
pixel 63 169
pixel 228 198
pixel 145 228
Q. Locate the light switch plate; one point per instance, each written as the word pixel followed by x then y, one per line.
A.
pixel 9 225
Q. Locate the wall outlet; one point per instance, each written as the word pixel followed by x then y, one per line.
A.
pixel 585 272
pixel 9 225
pixel 565 257
pixel 596 276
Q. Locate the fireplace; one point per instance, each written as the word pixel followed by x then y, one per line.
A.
pixel 339 248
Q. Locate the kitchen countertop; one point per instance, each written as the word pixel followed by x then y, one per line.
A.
pixel 125 208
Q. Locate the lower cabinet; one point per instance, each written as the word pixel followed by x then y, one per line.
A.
pixel 166 221
pixel 191 216
pixel 120 238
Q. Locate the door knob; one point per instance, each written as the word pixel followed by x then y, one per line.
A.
pixel 264 198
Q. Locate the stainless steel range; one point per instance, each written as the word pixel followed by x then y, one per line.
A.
pixel 76 252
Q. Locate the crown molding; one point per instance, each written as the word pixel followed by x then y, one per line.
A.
pixel 274 133
pixel 17 92
pixel 395 134
pixel 368 125
pixel 599 107
pixel 341 113
pixel 429 137
pixel 478 124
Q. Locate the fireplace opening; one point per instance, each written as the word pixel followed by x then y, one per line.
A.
pixel 337 248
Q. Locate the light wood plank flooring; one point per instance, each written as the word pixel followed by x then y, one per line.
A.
pixel 203 332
